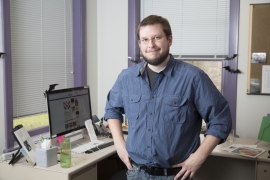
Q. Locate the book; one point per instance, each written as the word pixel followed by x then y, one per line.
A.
pixel 264 133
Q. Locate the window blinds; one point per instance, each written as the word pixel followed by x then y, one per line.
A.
pixel 41 46
pixel 200 28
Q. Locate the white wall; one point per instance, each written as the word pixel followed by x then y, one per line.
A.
pixel 92 54
pixel 111 46
pixel 2 142
pixel 250 108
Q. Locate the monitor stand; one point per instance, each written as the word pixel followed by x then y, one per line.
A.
pixel 74 136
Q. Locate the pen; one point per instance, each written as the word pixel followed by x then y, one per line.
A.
pixel 41 139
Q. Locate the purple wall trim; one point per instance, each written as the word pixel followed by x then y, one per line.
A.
pixel 79 42
pixel 10 149
pixel 8 104
pixel 230 79
pixel 39 130
pixel 133 21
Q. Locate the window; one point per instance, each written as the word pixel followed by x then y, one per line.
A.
pixel 200 30
pixel 41 46
pixel 44 44
pixel 206 49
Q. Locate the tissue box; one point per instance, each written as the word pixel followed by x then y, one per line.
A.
pixel 46 157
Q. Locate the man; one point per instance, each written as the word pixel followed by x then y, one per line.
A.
pixel 164 101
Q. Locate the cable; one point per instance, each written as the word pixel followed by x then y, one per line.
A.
pixel 78 155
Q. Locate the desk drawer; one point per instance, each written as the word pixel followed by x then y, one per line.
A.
pixel 263 172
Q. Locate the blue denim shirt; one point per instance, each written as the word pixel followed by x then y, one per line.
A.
pixel 165 121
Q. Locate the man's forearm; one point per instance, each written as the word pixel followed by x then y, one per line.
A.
pixel 119 141
pixel 115 126
pixel 207 146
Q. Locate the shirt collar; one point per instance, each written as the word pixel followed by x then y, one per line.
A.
pixel 167 70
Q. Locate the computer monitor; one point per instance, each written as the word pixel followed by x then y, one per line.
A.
pixel 68 109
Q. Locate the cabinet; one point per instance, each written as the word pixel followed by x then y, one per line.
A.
pixel 89 173
pixel 263 171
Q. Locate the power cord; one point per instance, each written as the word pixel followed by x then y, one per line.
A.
pixel 1 159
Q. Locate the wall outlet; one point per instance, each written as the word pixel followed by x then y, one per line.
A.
pixel 7 156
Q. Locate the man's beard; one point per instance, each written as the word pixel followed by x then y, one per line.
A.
pixel 157 61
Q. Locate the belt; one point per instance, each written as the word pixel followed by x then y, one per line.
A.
pixel 156 171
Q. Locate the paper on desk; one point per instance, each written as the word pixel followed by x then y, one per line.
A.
pixel 235 146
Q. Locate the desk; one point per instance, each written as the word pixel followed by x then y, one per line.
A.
pixel 220 165
pixel 84 168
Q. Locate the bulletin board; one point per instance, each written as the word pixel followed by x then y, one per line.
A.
pixel 258 82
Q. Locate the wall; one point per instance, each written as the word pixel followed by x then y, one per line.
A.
pixel 2 135
pixel 92 55
pixel 250 108
pixel 107 34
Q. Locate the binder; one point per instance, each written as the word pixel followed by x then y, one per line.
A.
pixel 24 141
pixel 264 133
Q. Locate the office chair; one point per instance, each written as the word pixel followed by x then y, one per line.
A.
pixel 120 175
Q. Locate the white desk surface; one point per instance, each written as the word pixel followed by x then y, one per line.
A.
pixel 79 161
pixel 219 152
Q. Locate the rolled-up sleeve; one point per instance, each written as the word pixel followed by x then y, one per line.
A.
pixel 213 108
pixel 114 104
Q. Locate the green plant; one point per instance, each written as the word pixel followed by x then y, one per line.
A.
pixel 32 122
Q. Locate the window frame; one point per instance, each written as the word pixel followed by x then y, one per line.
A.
pixel 79 64
pixel 229 80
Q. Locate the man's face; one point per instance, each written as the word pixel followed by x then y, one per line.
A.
pixel 156 50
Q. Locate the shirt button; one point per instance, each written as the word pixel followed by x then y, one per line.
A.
pixel 148 147
pixel 153 97
pixel 150 113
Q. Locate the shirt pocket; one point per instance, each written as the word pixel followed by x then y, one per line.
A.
pixel 175 109
pixel 133 108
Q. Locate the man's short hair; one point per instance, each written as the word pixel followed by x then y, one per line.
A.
pixel 154 19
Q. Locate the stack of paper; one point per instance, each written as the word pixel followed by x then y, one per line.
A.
pixel 244 150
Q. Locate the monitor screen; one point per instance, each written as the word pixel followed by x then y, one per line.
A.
pixel 68 109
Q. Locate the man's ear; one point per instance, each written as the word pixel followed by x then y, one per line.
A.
pixel 170 39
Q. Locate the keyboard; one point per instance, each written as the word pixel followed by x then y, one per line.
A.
pixel 84 147
pixel 99 147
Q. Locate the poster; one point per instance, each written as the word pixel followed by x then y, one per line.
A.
pixel 266 79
